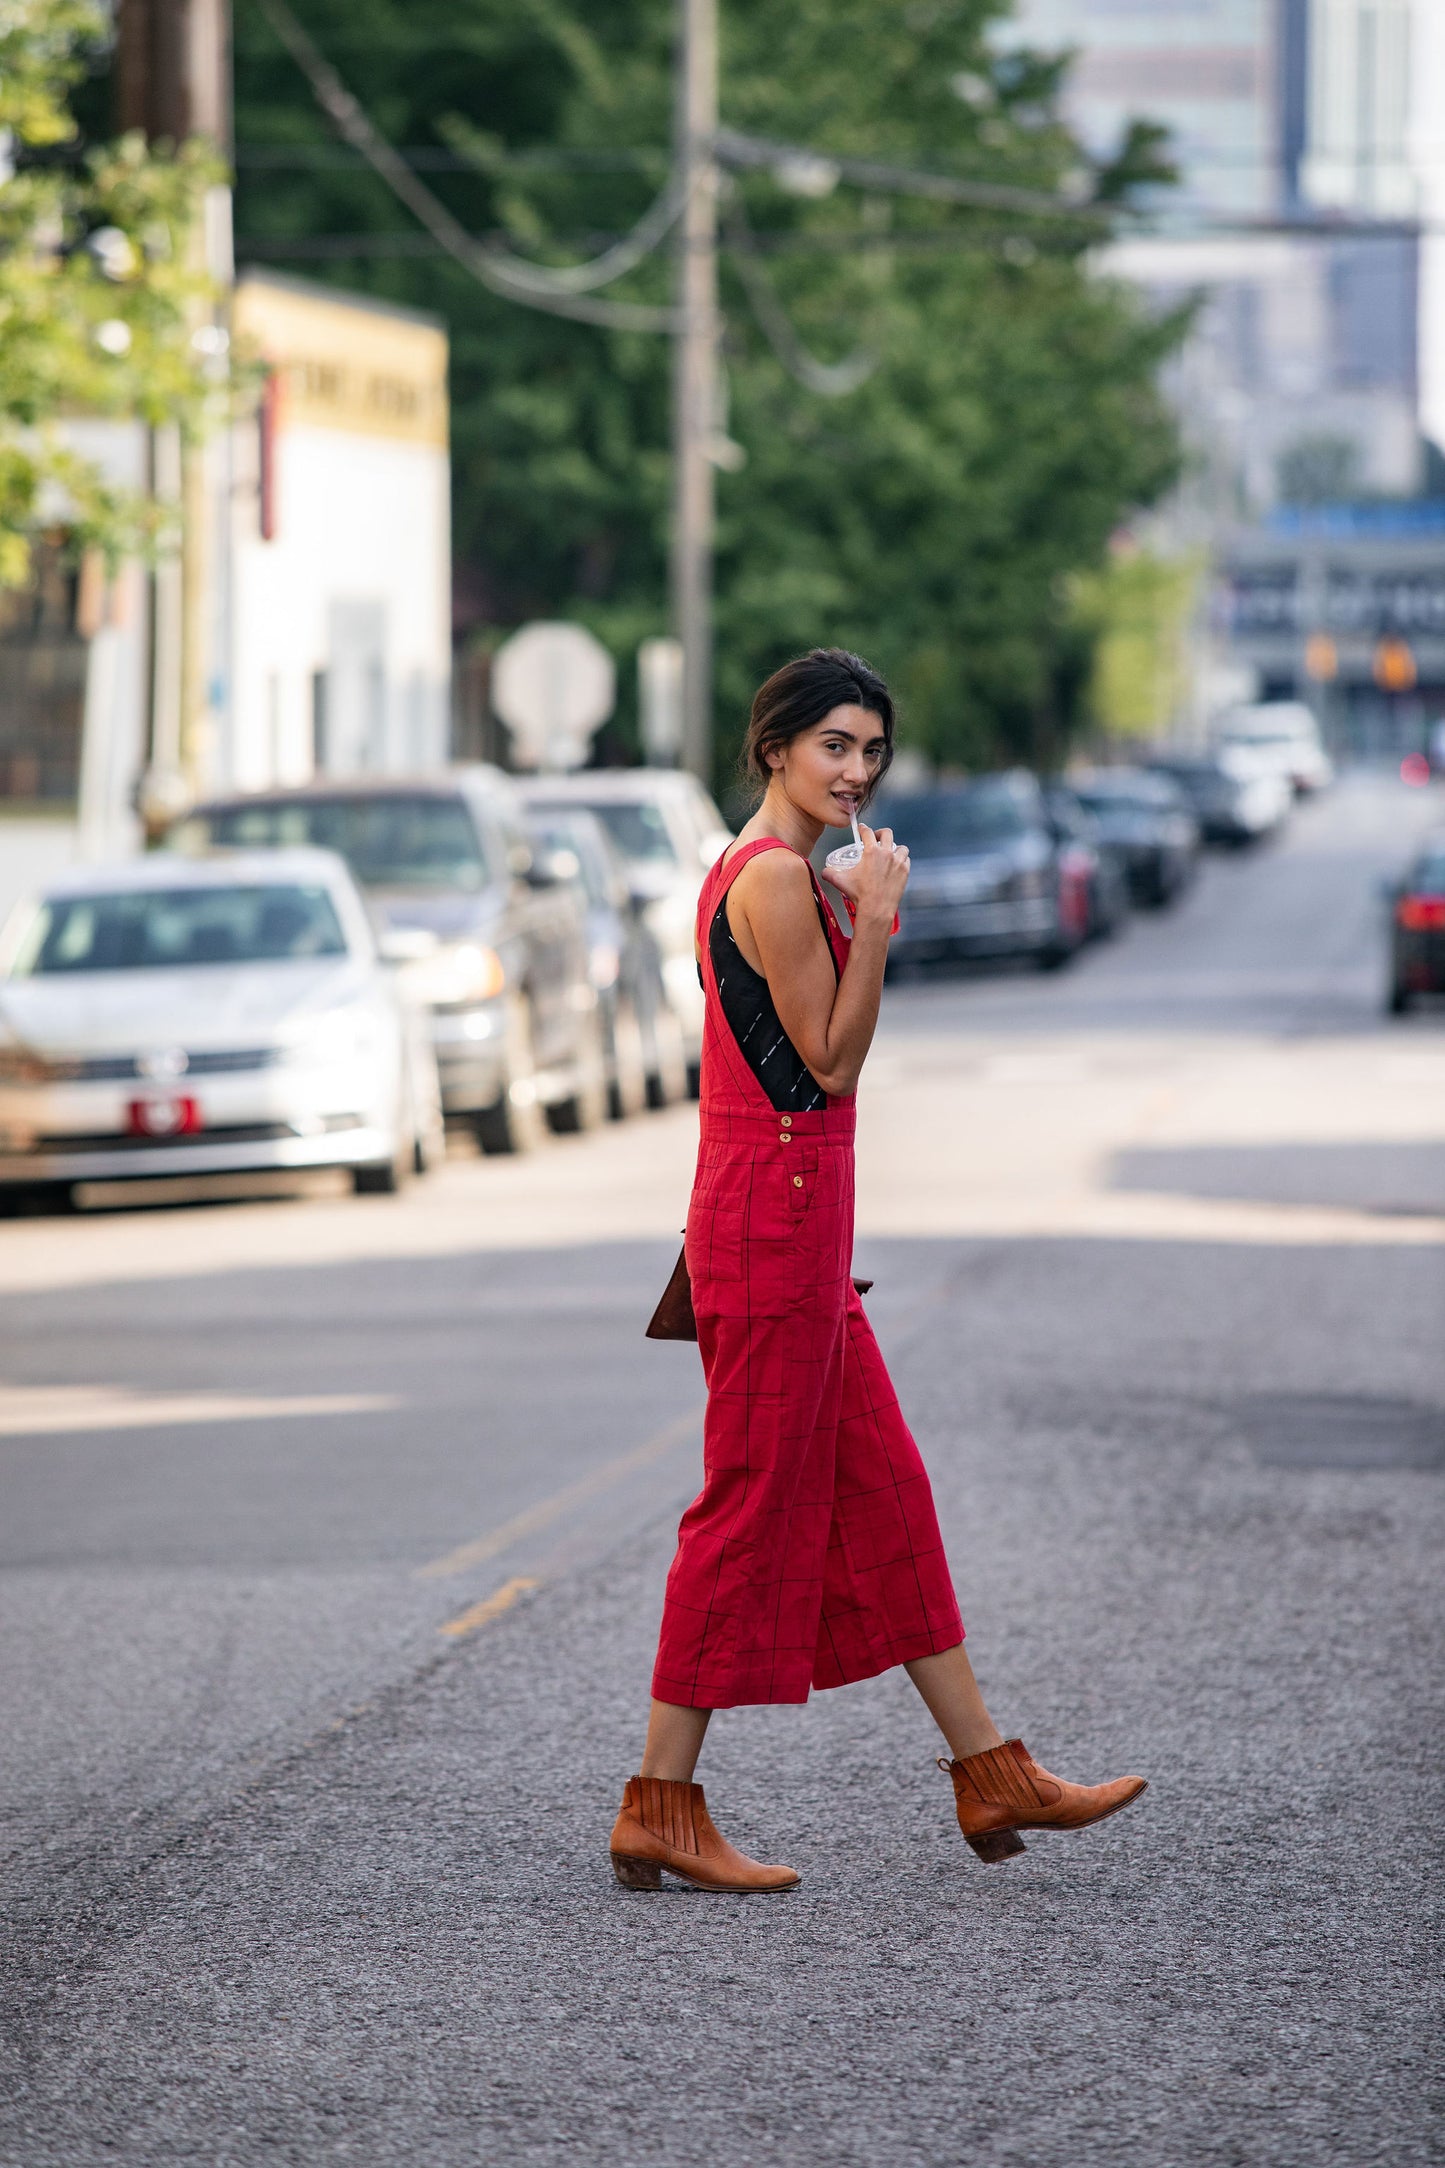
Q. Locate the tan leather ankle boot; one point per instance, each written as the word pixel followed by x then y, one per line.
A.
pixel 663 1824
pixel 1003 1790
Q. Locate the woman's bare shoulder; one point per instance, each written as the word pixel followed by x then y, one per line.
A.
pixel 781 874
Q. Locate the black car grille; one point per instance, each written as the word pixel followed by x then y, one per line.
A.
pixel 123 1068
pixel 236 1133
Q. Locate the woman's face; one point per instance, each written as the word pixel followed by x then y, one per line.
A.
pixel 829 770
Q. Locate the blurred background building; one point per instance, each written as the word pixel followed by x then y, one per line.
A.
pixel 326 628
pixel 340 618
pixel 1309 138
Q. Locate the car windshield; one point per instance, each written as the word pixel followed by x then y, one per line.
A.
pixel 389 840
pixel 154 929
pixel 638 829
pixel 936 824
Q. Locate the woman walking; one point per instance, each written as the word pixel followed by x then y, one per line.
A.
pixel 812 1556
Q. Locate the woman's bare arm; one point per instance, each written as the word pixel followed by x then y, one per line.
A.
pixel 830 1020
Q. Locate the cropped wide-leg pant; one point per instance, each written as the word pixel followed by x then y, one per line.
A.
pixel 812 1556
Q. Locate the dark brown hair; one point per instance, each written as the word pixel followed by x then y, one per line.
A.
pixel 801 694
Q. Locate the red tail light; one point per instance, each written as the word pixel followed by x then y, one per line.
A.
pixel 1421 914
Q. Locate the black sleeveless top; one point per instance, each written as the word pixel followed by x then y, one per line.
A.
pixel 753 1021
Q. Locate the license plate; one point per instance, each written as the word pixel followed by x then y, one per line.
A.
pixel 166 1116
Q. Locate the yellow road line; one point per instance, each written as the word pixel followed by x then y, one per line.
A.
pixel 32 1410
pixel 551 1509
pixel 493 1606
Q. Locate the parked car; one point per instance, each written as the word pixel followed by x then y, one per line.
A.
pixel 987 877
pixel 1417 928
pixel 1088 861
pixel 488 938
pixel 1235 800
pixel 646 1061
pixel 1281 735
pixel 170 1017
pixel 1147 821
pixel 669 832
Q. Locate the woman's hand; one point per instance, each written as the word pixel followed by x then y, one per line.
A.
pixel 875 885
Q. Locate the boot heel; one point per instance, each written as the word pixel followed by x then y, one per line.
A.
pixel 640 1873
pixel 997 1846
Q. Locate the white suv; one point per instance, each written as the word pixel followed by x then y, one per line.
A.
pixel 1278 735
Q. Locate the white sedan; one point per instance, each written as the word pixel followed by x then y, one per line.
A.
pixel 212 1016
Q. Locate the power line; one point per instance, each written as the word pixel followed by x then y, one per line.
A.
pixel 831 380
pixel 755 152
pixel 558 292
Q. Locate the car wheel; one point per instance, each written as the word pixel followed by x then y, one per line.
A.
pixel 627 1090
pixel 385 1177
pixel 430 1126
pixel 667 1067
pixel 585 1106
pixel 515 1123
pixel 1400 998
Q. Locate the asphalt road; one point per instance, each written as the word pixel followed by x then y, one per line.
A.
pixel 332 1551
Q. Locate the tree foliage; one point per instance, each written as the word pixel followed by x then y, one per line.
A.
pixel 1136 614
pixel 98 289
pixel 933 516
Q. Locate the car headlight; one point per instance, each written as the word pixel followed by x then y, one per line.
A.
pixel 19 1067
pixel 459 975
pixel 341 1035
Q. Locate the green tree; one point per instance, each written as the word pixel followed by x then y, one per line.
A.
pixel 97 290
pixel 932 516
pixel 1136 613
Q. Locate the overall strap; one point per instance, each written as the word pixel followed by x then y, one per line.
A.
pixel 722 874
pixel 720 877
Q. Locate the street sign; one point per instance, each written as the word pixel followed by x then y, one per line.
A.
pixel 659 689
pixel 552 685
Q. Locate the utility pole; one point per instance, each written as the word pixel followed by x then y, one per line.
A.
pixel 694 396
pixel 173 80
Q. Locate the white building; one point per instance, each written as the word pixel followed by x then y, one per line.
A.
pixel 326 624
pixel 340 542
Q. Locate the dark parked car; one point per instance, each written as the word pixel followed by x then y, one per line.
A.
pixel 1417 929
pixel 1148 822
pixel 1086 858
pixel 646 1058
pixel 491 940
pixel 1233 801
pixel 987 877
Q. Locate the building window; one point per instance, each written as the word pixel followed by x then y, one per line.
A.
pixel 43 659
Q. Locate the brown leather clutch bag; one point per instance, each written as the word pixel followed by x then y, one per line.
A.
pixel 673 1318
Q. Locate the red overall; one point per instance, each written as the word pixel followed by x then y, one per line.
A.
pixel 812 1555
